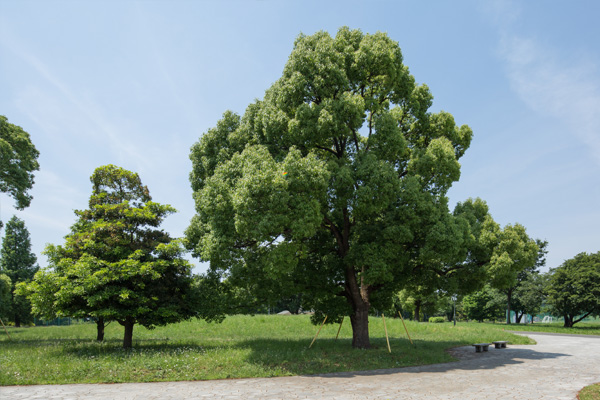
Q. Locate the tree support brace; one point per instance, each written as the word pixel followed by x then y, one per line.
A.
pixel 339 329
pixel 6 330
pixel 386 334
pixel 311 343
pixel 400 314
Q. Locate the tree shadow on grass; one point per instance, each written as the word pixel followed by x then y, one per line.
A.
pixel 339 360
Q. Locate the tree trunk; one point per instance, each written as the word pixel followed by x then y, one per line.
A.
pixel 17 321
pixel 418 311
pixel 568 321
pixel 128 336
pixel 100 329
pixel 360 327
pixel 518 317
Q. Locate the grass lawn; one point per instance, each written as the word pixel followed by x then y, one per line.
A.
pixel 240 347
pixel 591 392
pixel 581 328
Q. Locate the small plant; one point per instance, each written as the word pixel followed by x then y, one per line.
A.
pixel 437 319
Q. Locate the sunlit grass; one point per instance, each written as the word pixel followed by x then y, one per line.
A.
pixel 581 328
pixel 591 392
pixel 242 346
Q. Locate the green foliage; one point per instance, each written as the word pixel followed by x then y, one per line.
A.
pixel 437 320
pixel 574 288
pixel 18 161
pixel 115 264
pixel 482 305
pixel 530 294
pixel 419 301
pixel 362 209
pixel 5 296
pixel 19 264
pixel 513 252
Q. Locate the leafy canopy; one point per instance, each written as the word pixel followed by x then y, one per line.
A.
pixel 19 264
pixel 334 185
pixel 18 161
pixel 574 288
pixel 116 264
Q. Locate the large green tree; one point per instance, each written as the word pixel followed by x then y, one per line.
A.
pixel 574 288
pixel 19 264
pixel 334 185
pixel 116 265
pixel 18 161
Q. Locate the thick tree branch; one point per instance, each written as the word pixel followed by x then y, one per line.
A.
pixel 329 150
pixel 582 318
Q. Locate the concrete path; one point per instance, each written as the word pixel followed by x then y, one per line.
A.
pixel 556 368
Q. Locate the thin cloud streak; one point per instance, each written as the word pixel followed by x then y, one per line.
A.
pixel 568 90
pixel 91 111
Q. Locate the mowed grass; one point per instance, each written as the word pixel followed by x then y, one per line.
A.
pixel 581 328
pixel 240 347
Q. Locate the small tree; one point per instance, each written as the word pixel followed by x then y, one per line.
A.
pixel 530 295
pixel 5 296
pixel 514 255
pixel 18 161
pixel 19 264
pixel 481 305
pixel 574 288
pixel 115 264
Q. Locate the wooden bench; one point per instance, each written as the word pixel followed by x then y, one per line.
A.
pixel 479 347
pixel 500 344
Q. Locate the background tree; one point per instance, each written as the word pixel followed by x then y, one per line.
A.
pixel 514 256
pixel 419 301
pixel 19 264
pixel 530 295
pixel 18 161
pixel 574 288
pixel 5 296
pixel 116 265
pixel 481 305
pixel 334 185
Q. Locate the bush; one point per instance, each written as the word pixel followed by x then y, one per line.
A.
pixel 437 319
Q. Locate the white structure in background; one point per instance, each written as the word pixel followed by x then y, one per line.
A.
pixel 547 319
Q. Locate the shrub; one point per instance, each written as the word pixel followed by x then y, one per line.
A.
pixel 437 319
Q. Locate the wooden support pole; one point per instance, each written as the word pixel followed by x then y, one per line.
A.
pixel 386 334
pixel 411 342
pixel 340 328
pixel 6 330
pixel 311 343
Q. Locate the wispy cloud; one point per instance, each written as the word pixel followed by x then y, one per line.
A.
pixel 565 89
pixel 93 113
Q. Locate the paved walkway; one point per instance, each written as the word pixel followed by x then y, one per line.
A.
pixel 556 368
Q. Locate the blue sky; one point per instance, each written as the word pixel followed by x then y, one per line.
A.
pixel 136 83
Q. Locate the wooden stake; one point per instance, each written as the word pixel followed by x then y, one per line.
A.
pixel 338 334
pixel 311 343
pixel 411 342
pixel 386 335
pixel 6 330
